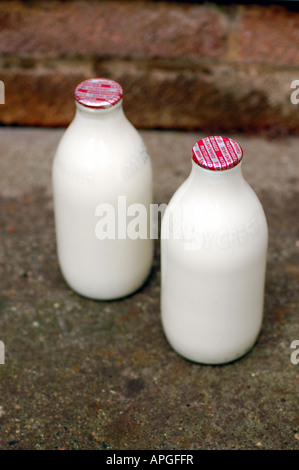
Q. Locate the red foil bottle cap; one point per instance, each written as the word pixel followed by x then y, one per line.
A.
pixel 98 93
pixel 217 153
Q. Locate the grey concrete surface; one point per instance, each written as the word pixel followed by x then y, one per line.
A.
pixel 81 374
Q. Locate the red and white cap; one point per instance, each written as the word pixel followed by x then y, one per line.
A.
pixel 217 153
pixel 98 93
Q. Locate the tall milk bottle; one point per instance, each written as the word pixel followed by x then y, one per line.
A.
pixel 213 253
pixel 102 184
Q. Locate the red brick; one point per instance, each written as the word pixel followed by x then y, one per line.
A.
pixel 221 98
pixel 268 35
pixel 38 98
pixel 215 98
pixel 108 29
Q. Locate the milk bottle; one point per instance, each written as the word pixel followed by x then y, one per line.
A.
pixel 101 169
pixel 213 258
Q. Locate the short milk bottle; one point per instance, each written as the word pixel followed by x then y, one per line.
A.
pixel 102 189
pixel 213 258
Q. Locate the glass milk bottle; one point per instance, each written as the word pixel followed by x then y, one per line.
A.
pixel 213 253
pixel 102 185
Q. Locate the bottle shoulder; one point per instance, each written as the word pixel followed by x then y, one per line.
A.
pixel 216 207
pixel 108 133
pixel 90 154
pixel 201 192
pixel 114 141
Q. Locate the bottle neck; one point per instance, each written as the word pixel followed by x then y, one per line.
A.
pixel 221 179
pixel 101 116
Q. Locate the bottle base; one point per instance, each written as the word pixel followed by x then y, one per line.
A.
pixel 114 294
pixel 212 359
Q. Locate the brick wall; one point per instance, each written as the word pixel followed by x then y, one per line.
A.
pixel 182 66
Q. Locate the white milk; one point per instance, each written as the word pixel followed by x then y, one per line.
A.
pixel 100 160
pixel 213 256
